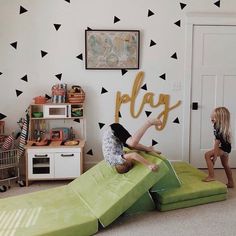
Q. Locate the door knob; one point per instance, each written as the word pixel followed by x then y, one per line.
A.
pixel 195 106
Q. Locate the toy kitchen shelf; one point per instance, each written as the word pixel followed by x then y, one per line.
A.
pixel 50 156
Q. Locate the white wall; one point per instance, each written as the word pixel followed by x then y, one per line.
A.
pixel 34 31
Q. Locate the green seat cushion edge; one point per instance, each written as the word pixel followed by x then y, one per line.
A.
pixel 191 202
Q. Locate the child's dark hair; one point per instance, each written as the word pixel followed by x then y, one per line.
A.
pixel 125 167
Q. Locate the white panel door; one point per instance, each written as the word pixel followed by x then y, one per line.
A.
pixel 213 84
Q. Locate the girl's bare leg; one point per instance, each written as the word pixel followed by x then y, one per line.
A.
pixel 225 163
pixel 134 140
pixel 135 156
pixel 210 165
pixel 141 147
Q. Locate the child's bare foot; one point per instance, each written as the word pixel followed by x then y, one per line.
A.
pixel 230 185
pixel 208 179
pixel 154 121
pixel 153 167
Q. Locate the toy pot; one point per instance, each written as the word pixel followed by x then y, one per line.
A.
pixel 39 100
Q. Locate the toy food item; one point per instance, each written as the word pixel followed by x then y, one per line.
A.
pixel 38 114
pixel 40 100
pixel 41 143
pixel 71 143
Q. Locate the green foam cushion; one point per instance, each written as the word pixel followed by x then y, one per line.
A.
pixel 109 194
pixel 191 202
pixel 169 181
pixel 53 212
pixel 143 204
pixel 192 186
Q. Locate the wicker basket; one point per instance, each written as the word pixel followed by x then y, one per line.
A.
pixel 76 97
pixel 2 127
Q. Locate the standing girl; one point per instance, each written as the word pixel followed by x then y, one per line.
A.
pixel 220 118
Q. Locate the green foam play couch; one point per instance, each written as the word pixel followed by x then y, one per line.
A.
pixel 102 195
pixel 193 191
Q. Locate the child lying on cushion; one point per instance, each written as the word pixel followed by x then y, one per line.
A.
pixel 116 137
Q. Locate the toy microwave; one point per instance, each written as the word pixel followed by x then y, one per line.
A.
pixel 56 111
pixel 59 134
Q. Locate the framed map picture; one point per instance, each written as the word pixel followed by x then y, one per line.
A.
pixel 112 49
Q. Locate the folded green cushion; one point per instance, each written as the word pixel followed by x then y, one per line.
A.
pixel 143 204
pixel 53 212
pixel 108 194
pixel 169 181
pixel 192 186
pixel 191 202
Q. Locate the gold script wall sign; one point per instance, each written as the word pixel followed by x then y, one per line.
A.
pixel 148 98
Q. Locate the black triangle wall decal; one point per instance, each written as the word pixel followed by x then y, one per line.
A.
pixel 116 19
pixel 178 23
pixel 120 116
pixel 47 96
pixel 174 56
pixel 22 10
pixel 80 56
pixel 103 91
pixel 144 87
pixel 14 45
pixel 176 120
pixel 182 5
pixel 43 53
pixel 59 76
pixel 148 113
pixel 2 116
pixel 90 152
pixel 57 26
pixel 163 76
pixel 0 73
pixel 67 1
pixel 154 142
pixel 77 120
pixel 150 13
pixel 101 125
pixel 123 71
pixel 152 43
pixel 217 3
pixel 24 78
pixel 18 93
